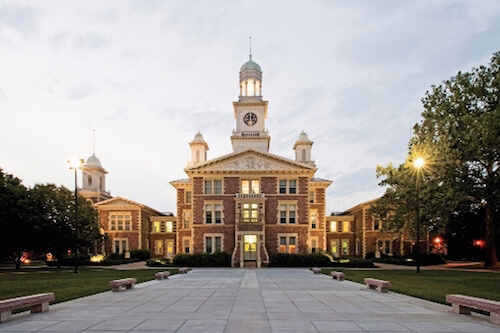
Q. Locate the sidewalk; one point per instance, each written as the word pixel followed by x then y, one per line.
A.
pixel 249 300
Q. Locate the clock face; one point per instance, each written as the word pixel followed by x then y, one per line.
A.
pixel 250 119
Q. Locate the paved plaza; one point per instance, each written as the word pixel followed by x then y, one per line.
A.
pixel 248 300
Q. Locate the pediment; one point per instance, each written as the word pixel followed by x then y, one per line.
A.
pixel 118 201
pixel 252 161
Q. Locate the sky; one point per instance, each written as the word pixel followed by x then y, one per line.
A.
pixel 148 75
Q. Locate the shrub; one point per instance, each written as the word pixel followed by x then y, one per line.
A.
pixel 140 254
pixel 159 263
pixel 298 260
pixel 217 259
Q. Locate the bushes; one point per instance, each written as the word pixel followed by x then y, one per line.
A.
pixel 425 260
pixel 299 260
pixel 140 254
pixel 217 259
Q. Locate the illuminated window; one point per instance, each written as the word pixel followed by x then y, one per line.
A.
pixel 345 247
pixel 314 219
pixel 346 226
pixel 249 186
pixel 333 226
pixel 169 227
pixel 213 214
pixel 188 196
pixel 213 244
pixel 251 212
pixel 287 213
pixel 334 247
pixel 287 244
pixel 156 226
pixel 186 219
pixel 288 186
pixel 120 221
pixel 159 247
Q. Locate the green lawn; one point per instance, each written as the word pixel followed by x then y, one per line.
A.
pixel 64 283
pixel 432 285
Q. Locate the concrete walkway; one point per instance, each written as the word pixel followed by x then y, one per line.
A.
pixel 248 300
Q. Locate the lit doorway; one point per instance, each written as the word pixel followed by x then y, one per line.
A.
pixel 250 247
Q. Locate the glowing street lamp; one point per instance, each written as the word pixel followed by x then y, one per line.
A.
pixel 76 164
pixel 418 164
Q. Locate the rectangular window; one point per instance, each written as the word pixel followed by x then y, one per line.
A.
pixel 186 243
pixel 358 247
pixel 314 245
pixel 288 186
pixel 346 226
pixel 213 213
pixel 159 247
pixel 156 226
pixel 213 244
pixel 314 219
pixel 121 245
pixel 169 226
pixel 186 220
pixel 287 213
pixel 120 221
pixel 249 186
pixel 250 212
pixel 334 247
pixel 333 226
pixel 311 196
pixel 213 187
pixel 345 247
pixel 188 197
pixel 376 224
pixel 287 244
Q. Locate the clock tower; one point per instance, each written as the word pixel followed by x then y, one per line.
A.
pixel 250 111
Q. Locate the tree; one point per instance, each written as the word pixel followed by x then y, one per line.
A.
pixel 16 234
pixel 460 138
pixel 52 211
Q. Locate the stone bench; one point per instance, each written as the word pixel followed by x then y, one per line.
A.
pixel 316 270
pixel 116 285
pixel 463 304
pixel 381 285
pixel 162 275
pixel 183 270
pixel 37 303
pixel 337 275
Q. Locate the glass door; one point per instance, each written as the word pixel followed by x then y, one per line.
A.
pixel 250 247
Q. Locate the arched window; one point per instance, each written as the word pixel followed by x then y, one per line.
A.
pixel 89 180
pixel 303 154
pixel 100 183
pixel 197 156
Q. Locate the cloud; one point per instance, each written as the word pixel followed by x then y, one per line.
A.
pixel 21 18
pixel 2 95
pixel 81 91
pixel 87 40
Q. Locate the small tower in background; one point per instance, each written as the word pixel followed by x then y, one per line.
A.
pixel 302 149
pixel 199 149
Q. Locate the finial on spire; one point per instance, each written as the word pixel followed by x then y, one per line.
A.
pixel 250 47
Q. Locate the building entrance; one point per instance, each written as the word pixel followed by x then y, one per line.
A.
pixel 250 247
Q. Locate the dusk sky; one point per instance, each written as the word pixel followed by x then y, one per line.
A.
pixel 148 75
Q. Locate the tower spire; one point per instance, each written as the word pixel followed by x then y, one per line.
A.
pixel 250 47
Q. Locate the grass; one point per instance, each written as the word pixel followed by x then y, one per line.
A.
pixel 432 285
pixel 64 283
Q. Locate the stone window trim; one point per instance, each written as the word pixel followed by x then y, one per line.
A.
pixel 250 185
pixel 346 226
pixel 291 240
pixel 214 246
pixel 384 245
pixel 215 213
pixel 114 221
pixel 377 224
pixel 358 247
pixel 188 197
pixel 334 247
pixel 312 196
pixel 159 246
pixel 162 226
pixel 213 186
pixel 290 210
pixel 288 186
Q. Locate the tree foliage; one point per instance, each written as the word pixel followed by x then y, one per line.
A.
pixel 460 138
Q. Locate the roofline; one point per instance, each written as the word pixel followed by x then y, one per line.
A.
pixel 361 204
pixel 101 203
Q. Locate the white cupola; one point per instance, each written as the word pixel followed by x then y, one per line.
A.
pixel 250 80
pixel 302 149
pixel 199 149
pixel 94 175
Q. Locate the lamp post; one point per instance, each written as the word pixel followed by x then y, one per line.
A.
pixel 418 164
pixel 76 164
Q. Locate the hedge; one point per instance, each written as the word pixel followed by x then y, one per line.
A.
pixel 217 259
